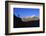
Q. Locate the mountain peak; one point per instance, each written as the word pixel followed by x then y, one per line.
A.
pixel 33 17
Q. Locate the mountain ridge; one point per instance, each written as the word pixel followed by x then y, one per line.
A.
pixel 25 19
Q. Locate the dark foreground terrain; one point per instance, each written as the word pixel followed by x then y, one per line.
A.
pixel 18 23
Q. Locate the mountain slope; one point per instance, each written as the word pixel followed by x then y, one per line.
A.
pixel 30 18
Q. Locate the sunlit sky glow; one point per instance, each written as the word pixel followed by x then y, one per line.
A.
pixel 24 12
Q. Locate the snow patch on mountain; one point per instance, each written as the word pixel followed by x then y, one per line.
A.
pixel 30 18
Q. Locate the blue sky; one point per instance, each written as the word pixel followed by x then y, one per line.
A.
pixel 23 12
